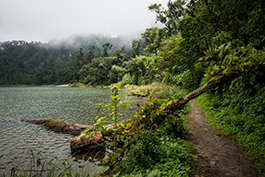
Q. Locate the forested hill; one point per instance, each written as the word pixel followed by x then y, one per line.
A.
pixel 54 62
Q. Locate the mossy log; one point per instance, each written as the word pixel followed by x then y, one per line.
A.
pixel 217 80
pixel 138 95
pixel 61 126
pixel 225 76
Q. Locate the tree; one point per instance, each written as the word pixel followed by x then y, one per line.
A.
pixel 153 38
pixel 106 47
pixel 138 47
pixel 90 55
pixel 142 69
pixel 116 73
pixel 169 17
pixel 77 64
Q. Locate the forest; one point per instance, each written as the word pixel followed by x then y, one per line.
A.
pixel 205 45
pixel 55 62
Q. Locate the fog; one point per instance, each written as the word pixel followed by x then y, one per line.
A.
pixel 44 20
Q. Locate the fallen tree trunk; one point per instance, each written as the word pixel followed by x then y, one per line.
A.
pixel 225 76
pixel 60 126
pixel 79 143
pixel 138 94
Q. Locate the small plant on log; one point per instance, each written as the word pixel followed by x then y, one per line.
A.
pixel 110 111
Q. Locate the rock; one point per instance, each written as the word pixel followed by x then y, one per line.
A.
pixel 212 163
pixel 82 144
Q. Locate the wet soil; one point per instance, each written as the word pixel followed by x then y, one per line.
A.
pixel 215 156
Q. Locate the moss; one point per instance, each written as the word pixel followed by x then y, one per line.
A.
pixel 54 124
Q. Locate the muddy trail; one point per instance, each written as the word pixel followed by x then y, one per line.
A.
pixel 216 156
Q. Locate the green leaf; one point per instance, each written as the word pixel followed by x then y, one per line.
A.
pixel 98 110
pixel 84 131
pixel 121 124
pixel 124 106
pixel 88 136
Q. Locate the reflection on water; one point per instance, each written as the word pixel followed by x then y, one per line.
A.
pixel 78 105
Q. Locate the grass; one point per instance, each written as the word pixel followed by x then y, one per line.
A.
pixel 160 90
pixel 201 102
pixel 184 116
pixel 52 166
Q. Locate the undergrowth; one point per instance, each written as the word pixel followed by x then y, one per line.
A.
pixel 159 148
pixel 155 154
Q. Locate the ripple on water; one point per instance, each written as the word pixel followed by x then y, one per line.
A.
pixel 20 140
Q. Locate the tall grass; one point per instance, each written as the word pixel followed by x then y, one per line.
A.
pixel 51 166
pixel 160 90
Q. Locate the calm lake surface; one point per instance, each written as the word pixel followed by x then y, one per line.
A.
pixel 65 104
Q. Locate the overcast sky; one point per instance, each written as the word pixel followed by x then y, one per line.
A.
pixel 43 20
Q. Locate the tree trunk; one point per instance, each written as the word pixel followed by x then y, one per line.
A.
pixel 225 76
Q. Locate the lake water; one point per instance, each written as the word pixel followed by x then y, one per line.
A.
pixel 77 105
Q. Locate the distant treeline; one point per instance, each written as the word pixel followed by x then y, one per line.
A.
pixel 59 62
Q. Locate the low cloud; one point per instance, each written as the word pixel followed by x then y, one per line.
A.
pixel 45 20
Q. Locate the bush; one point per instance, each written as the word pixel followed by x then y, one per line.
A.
pixel 126 79
pixel 156 155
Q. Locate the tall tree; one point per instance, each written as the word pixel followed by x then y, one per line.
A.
pixel 77 64
pixel 106 47
pixel 153 38
pixel 90 55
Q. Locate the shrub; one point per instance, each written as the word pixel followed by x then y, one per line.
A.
pixel 155 154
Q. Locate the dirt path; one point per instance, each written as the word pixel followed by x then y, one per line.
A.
pixel 216 155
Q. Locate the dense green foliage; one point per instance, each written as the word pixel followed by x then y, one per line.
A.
pixel 156 154
pixel 200 41
pixel 157 148
pixel 56 62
